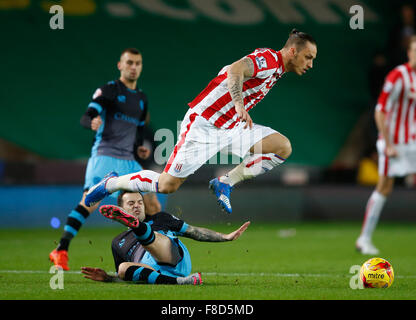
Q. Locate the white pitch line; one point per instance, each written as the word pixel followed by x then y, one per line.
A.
pixel 35 271
pixel 262 274
pixel 288 275
pixel 226 274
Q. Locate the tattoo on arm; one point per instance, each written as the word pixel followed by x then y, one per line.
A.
pixel 235 87
pixel 202 234
pixel 236 74
pixel 249 67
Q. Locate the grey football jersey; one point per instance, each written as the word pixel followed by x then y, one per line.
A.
pixel 122 111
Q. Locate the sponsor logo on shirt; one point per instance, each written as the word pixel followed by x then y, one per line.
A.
pixel 123 117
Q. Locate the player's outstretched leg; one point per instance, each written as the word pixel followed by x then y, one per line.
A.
pixel 118 214
pixel 250 167
pixel 142 230
pixel 143 181
pixel 194 279
pixel 222 191
pixel 276 148
pixel 99 191
pixel 142 273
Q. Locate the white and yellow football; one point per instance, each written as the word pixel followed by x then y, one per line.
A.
pixel 377 273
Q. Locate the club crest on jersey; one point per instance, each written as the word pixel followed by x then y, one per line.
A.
pixel 261 62
pixel 178 167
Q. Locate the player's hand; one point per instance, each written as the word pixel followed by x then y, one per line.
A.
pixel 95 274
pixel 237 233
pixel 243 115
pixel 143 152
pixel 391 151
pixel 96 123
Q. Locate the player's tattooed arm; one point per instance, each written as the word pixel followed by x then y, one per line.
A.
pixel 249 67
pixel 235 87
pixel 203 234
pixel 236 74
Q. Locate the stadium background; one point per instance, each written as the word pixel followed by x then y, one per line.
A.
pixel 48 77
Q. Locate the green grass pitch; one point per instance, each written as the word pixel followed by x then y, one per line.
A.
pixel 270 261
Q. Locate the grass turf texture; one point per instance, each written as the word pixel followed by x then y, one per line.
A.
pixel 313 263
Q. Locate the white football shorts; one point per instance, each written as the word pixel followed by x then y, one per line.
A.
pixel 402 165
pixel 199 141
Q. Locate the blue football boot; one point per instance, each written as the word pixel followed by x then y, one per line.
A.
pixel 222 191
pixel 98 192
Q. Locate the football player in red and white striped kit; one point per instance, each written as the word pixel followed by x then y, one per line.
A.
pixel 218 120
pixel 395 116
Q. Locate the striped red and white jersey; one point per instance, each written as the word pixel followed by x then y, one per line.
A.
pixel 215 104
pixel 398 101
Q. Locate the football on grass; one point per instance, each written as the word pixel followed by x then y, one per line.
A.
pixel 377 273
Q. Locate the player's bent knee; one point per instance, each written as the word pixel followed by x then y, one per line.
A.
pixel 287 149
pixel 126 270
pixel 167 187
pixel 168 183
pixel 385 188
pixel 122 268
pixel 284 149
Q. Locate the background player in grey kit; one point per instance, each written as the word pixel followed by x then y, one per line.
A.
pixel 118 112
